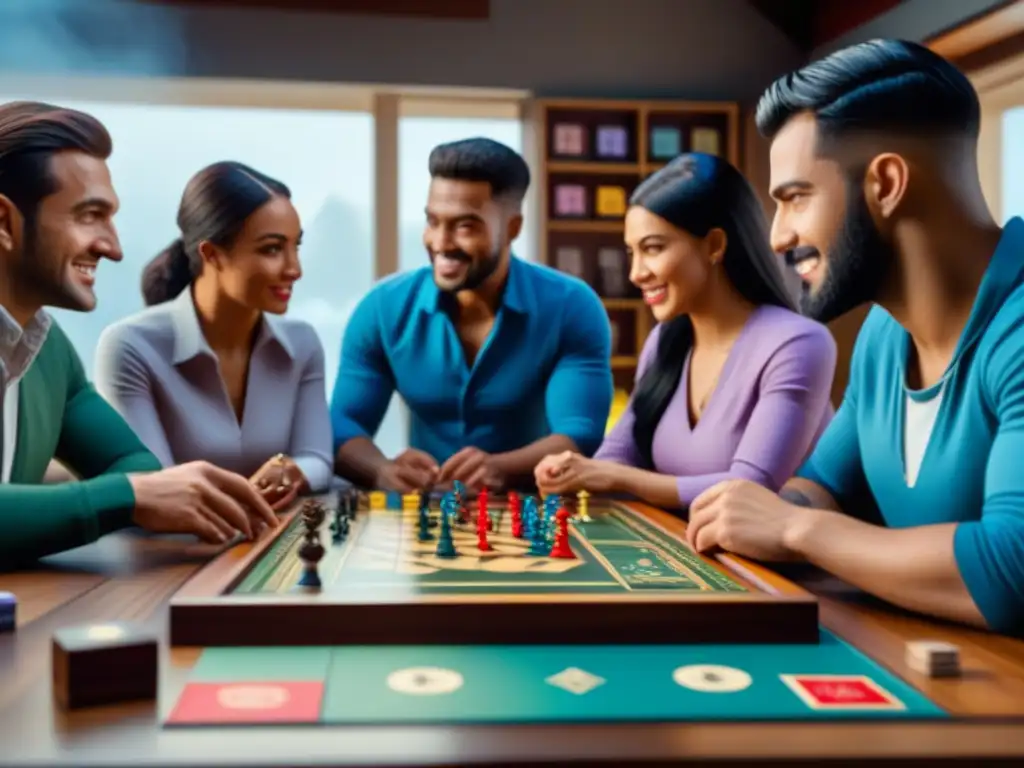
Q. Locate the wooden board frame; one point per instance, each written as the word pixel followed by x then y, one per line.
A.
pixel 773 611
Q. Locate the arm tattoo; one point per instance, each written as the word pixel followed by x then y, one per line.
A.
pixel 795 497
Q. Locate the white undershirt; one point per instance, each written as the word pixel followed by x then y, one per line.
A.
pixel 918 423
pixel 10 400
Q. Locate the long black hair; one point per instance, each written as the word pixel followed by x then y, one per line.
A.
pixel 214 207
pixel 697 193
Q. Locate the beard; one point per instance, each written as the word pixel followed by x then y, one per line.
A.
pixel 476 274
pixel 859 263
pixel 48 277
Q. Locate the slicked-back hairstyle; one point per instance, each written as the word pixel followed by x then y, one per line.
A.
pixel 31 133
pixel 884 86
pixel 214 207
pixel 485 160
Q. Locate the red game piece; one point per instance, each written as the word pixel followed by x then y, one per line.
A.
pixel 561 546
pixel 516 513
pixel 483 522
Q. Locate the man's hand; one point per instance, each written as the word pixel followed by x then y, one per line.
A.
pixel 279 481
pixel 200 499
pixel 570 472
pixel 410 471
pixel 476 469
pixel 747 519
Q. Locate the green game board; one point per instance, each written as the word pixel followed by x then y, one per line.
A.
pixel 617 551
pixel 542 684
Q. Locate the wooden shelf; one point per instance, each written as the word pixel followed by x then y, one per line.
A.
pixel 594 154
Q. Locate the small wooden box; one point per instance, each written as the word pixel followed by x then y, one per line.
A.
pixel 104 664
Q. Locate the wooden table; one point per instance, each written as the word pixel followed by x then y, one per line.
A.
pixel 131 577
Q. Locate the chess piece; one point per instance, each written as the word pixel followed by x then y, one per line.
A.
pixel 445 544
pixel 483 524
pixel 516 513
pixel 424 520
pixel 581 506
pixel 561 548
pixel 311 551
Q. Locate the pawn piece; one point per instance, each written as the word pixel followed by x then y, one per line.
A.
pixel 529 517
pixel 445 544
pixel 515 513
pixel 424 533
pixel 561 547
pixel 104 664
pixel 8 612
pixel 311 552
pixel 581 507
pixel 483 524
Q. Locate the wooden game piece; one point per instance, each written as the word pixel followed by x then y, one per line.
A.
pixel 445 543
pixel 378 500
pixel 104 664
pixel 311 551
pixel 581 506
pixel 933 658
pixel 424 533
pixel 561 548
pixel 8 612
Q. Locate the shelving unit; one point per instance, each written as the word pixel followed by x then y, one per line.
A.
pixel 593 155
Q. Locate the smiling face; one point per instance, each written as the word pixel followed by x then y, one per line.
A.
pixel 824 223
pixel 70 232
pixel 262 265
pixel 671 267
pixel 467 233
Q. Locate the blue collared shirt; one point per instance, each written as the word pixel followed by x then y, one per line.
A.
pixel 544 369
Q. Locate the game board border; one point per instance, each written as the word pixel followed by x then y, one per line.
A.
pixel 773 611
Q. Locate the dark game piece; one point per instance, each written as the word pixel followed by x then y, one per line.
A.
pixel 8 612
pixel 445 543
pixel 561 548
pixel 104 664
pixel 424 533
pixel 311 551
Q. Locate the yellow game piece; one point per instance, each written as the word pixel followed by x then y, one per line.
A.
pixel 378 500
pixel 411 501
pixel 581 507
pixel 611 201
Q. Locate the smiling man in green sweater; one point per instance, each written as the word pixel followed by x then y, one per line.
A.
pixel 57 205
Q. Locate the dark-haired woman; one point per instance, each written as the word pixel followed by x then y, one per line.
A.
pixel 733 382
pixel 211 370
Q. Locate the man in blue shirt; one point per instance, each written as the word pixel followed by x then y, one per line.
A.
pixel 500 361
pixel 916 491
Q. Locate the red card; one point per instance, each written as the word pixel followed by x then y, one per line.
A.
pixel 857 692
pixel 249 702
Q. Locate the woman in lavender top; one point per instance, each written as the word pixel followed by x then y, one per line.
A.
pixel 733 382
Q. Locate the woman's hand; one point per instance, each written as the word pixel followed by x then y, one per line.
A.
pixel 279 481
pixel 569 472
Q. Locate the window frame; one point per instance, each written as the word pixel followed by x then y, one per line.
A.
pixel 387 104
pixel 1000 88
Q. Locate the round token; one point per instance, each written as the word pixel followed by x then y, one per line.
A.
pixel 253 696
pixel 425 681
pixel 710 678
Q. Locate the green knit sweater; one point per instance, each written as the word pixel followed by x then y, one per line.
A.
pixel 61 416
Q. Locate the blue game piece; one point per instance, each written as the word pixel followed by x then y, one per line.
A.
pixel 394 500
pixel 8 612
pixel 445 544
pixel 529 514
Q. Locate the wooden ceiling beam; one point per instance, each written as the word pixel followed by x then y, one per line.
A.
pixel 433 9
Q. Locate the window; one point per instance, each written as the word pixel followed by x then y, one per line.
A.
pixel 418 134
pixel 1013 163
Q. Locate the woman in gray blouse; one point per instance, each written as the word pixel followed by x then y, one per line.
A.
pixel 212 369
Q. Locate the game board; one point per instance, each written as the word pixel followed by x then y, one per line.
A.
pixel 632 579
pixel 452 685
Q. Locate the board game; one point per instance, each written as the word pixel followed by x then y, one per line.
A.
pixel 546 684
pixel 359 572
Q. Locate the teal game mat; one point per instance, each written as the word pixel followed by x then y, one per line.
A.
pixel 393 685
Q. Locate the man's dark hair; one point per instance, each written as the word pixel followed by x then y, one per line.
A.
pixel 484 160
pixel 30 134
pixel 886 86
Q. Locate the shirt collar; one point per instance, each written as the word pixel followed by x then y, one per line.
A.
pixel 190 342
pixel 19 346
pixel 516 296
